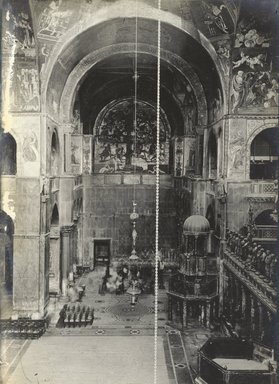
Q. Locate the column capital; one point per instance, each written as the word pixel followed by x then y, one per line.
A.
pixel 66 228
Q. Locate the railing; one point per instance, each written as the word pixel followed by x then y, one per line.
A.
pixel 252 280
pixel 212 370
pixel 179 284
pixel 213 373
pixel 22 328
pixel 266 232
pixel 262 188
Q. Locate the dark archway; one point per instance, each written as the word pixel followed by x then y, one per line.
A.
pixel 54 154
pixel 54 216
pixel 212 156
pixel 264 155
pixel 265 218
pixel 7 154
pixel 55 261
pixel 6 250
pixel 210 215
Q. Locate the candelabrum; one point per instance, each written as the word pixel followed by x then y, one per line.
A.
pixel 134 217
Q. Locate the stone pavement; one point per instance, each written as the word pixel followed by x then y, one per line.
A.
pixel 96 360
pixel 11 352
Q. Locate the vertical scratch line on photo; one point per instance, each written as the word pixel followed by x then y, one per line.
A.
pixel 157 198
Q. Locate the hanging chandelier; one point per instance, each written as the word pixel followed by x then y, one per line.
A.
pixel 134 217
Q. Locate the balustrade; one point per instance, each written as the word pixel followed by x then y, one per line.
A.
pixel 22 328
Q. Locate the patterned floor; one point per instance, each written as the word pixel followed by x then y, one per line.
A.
pixel 111 310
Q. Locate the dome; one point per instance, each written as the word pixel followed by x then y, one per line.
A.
pixel 195 225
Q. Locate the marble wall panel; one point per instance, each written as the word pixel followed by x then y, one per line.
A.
pixel 26 273
pixel 27 206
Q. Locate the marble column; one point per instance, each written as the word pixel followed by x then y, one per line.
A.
pixel 253 317
pixel 230 294
pixel 222 284
pixel 216 308
pixel 247 309
pixel 243 301
pixel 205 154
pixel 184 318
pixel 54 260
pixel 208 313
pixel 79 240
pixel 66 255
pixel 169 308
pixel 260 321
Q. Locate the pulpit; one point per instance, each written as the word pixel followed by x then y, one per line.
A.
pixel 192 291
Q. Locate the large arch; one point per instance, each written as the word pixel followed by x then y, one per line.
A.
pixel 87 63
pixel 123 11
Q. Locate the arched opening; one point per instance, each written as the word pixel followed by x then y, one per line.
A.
pixel 55 262
pixel 54 154
pixel 122 146
pixel 266 228
pixel 7 154
pixel 54 216
pixel 6 251
pixel 210 215
pixel 213 156
pixel 94 84
pixel 264 155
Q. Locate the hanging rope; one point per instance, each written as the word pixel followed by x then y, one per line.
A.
pixel 157 199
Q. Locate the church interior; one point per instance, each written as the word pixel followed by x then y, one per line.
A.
pixel 139 149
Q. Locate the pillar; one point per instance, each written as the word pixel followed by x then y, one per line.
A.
pixel 247 311
pixel 243 301
pixel 66 255
pixel 208 313
pixel 205 154
pixel 196 253
pixel 253 317
pixel 216 307
pixel 79 240
pixel 169 308
pixel 221 280
pixel 54 260
pixel 184 317
pixel 29 257
pixel 260 321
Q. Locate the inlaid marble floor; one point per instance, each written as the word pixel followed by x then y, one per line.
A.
pixel 111 310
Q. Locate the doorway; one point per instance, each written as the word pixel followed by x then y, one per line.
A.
pixel 102 252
